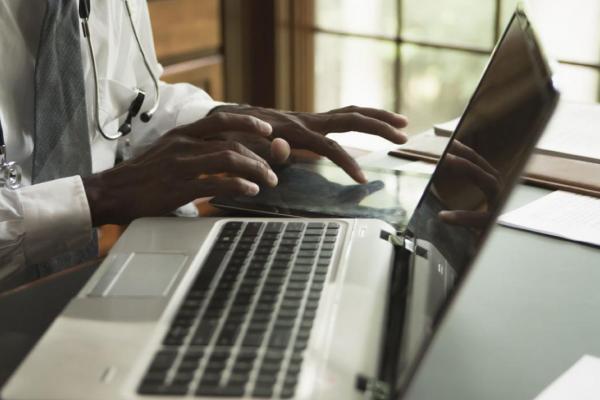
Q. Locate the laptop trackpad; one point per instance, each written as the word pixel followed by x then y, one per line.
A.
pixel 140 275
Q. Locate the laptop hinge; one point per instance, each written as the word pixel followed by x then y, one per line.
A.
pixel 398 240
pixel 374 389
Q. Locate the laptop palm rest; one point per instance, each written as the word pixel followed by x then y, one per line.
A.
pixel 139 275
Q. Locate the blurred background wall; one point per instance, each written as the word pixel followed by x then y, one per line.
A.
pixel 419 57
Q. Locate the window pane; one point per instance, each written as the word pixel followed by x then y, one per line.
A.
pixel 457 22
pixel 377 17
pixel 354 71
pixel 578 83
pixel 570 29
pixel 437 84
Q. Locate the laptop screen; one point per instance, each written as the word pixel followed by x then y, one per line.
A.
pixel 501 125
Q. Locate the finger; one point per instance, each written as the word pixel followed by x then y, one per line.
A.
pixel 222 186
pixel 473 219
pixel 280 151
pixel 464 151
pixel 229 162
pixel 485 181
pixel 332 150
pixel 223 122
pixel 204 147
pixel 346 122
pixel 396 120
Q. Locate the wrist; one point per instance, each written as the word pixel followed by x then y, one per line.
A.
pixel 229 108
pixel 97 201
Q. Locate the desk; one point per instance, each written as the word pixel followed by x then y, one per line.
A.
pixel 529 310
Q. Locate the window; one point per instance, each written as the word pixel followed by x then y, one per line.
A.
pixel 424 57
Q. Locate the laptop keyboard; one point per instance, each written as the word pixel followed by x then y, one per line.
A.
pixel 244 325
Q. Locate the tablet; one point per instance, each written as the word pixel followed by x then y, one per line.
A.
pixel 322 189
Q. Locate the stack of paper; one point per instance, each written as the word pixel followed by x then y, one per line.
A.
pixel 573 132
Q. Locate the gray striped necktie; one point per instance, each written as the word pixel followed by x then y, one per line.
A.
pixel 61 138
pixel 61 141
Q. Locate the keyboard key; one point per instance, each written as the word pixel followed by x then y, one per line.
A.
pixel 280 339
pixel 274 227
pixel 236 380
pixel 210 380
pixel 313 232
pixel 155 378
pixel 308 246
pixel 163 360
pixel 274 356
pixel 325 255
pixel 265 379
pixel 288 392
pixel 252 228
pixel 228 336
pixel 242 367
pixel 287 314
pixel 295 227
pixel 253 340
pixel 297 285
pixel 271 368
pixel 291 304
pixel 170 390
pixel 231 391
pixel 263 392
pixel 188 365
pixel 247 355
pixel 204 333
pixel 284 323
pixel 183 378
pixel 316 225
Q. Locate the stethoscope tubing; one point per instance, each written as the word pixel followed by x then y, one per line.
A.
pixel 145 117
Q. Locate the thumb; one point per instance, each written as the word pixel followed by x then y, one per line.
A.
pixel 280 151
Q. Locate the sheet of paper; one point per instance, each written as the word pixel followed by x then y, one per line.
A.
pixel 561 214
pixel 580 382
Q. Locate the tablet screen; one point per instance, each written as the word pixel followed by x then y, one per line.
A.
pixel 324 189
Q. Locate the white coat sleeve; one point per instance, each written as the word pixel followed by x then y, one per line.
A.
pixel 39 221
pixel 180 103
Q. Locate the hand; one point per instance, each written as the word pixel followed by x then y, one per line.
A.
pixel 308 131
pixel 464 164
pixel 180 167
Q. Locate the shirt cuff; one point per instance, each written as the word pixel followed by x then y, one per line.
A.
pixel 57 218
pixel 196 110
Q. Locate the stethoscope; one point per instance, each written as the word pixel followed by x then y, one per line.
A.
pixel 136 104
pixel 10 172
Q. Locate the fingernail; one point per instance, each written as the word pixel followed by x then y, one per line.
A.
pixel 266 127
pixel 273 180
pixel 362 177
pixel 252 189
pixel 402 137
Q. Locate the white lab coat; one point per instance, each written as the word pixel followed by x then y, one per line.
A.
pixel 38 221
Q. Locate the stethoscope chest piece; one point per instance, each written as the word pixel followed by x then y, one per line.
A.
pixel 10 172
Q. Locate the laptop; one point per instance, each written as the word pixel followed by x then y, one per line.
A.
pixel 297 308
